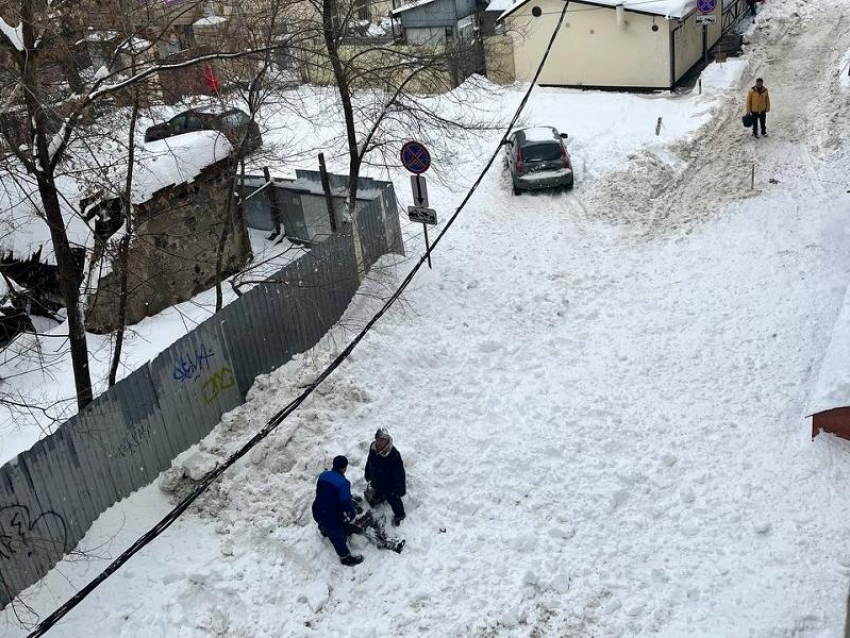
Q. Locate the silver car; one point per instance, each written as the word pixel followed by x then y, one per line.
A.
pixel 538 159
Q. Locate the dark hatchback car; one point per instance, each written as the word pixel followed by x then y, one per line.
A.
pixel 538 159
pixel 233 123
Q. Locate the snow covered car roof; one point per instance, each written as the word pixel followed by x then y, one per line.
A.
pixel 664 8
pixel 539 134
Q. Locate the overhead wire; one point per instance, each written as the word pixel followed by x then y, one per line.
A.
pixel 50 621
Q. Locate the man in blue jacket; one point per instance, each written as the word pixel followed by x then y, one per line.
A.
pixel 385 475
pixel 333 509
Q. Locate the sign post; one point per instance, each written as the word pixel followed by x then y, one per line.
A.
pixel 416 158
pixel 706 8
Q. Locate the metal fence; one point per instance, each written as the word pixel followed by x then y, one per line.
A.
pixel 51 494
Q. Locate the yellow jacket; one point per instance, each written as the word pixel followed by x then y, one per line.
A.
pixel 758 102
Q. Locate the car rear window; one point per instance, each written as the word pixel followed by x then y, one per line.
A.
pixel 234 120
pixel 549 152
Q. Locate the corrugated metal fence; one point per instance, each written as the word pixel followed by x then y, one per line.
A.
pixel 51 494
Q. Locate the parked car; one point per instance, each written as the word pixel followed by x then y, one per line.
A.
pixel 233 123
pixel 538 159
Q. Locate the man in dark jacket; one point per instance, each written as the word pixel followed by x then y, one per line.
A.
pixel 334 511
pixel 385 475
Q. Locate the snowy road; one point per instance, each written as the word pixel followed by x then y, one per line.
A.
pixel 600 399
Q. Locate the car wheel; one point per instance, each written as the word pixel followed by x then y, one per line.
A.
pixel 517 191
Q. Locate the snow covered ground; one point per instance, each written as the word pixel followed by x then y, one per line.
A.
pixel 600 398
pixel 596 145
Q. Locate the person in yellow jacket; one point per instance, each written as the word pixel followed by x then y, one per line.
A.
pixel 758 105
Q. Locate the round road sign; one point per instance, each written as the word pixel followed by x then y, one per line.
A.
pixel 415 157
pixel 706 6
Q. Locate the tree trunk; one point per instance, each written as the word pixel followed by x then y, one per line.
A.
pixel 222 243
pixel 43 169
pixel 70 289
pixel 124 249
pixel 332 35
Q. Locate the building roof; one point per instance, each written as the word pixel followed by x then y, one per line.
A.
pixel 176 160
pixel 412 5
pixel 664 8
pixel 500 5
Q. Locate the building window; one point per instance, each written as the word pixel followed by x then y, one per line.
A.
pixel 361 8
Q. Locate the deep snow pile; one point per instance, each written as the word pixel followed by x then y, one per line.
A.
pixel 603 427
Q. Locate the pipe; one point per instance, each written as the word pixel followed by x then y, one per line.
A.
pixel 621 16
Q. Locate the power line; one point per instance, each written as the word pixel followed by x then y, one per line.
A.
pixel 45 625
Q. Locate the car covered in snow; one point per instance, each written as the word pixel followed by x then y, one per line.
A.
pixel 234 123
pixel 537 159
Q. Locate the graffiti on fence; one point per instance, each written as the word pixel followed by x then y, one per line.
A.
pixel 191 364
pixel 138 434
pixel 219 381
pixel 46 535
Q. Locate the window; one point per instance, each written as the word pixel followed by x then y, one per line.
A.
pixel 361 8
pixel 233 120
pixel 185 36
pixel 450 33
pixel 177 123
pixel 194 123
pixel 550 152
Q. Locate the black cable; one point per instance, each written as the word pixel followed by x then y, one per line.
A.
pixel 46 624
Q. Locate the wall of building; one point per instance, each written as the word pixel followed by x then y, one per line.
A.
pixel 440 13
pixel 499 59
pixel 590 50
pixel 687 41
pixel 425 36
pixel 316 69
pixel 173 252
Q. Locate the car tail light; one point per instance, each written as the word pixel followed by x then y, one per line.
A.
pixel 518 160
pixel 564 158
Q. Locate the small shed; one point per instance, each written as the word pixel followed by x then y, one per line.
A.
pixel 180 195
pixel 298 208
pixel 609 44
pixel 437 22
pixel 829 404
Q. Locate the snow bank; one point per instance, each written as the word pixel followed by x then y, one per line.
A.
pixel 720 77
pixel 176 160
pixel 844 74
pixel 832 388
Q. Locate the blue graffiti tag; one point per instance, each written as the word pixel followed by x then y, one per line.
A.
pixel 190 365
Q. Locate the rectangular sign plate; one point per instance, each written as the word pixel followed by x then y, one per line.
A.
pixel 422 214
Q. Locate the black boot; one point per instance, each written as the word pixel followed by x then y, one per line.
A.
pixel 351 560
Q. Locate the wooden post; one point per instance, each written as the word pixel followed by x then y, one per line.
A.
pixel 326 187
pixel 427 244
pixel 753 178
pixel 658 127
